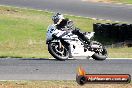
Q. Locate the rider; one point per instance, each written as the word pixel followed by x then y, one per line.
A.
pixel 61 22
pixel 66 24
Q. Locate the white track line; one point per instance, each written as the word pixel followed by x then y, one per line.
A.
pixel 106 58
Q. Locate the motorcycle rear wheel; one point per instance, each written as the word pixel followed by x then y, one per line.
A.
pixel 100 55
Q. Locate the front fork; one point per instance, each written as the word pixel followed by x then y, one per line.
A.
pixel 60 45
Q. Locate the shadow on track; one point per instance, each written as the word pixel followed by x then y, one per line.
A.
pixel 44 59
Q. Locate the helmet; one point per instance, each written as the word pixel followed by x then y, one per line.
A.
pixel 57 18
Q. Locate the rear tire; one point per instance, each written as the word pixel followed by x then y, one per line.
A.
pixel 53 52
pixel 100 55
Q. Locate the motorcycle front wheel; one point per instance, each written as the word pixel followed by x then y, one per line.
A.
pixel 59 53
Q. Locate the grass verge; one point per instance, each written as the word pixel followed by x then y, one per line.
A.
pixel 123 1
pixel 57 84
pixel 113 1
pixel 23 33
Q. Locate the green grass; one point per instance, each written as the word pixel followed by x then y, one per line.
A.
pixel 57 84
pixel 23 32
pixel 124 1
pixel 120 52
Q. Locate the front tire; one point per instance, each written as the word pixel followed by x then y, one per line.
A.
pixel 56 53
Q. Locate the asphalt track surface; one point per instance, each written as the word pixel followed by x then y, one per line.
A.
pixel 51 69
pixel 78 7
pixel 45 69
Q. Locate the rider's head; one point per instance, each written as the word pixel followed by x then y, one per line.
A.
pixel 57 18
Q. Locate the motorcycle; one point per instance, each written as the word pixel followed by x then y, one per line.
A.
pixel 63 45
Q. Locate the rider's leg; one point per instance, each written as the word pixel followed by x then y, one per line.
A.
pixel 82 38
pixel 80 34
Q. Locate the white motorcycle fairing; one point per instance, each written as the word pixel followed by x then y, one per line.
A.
pixel 76 46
